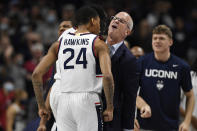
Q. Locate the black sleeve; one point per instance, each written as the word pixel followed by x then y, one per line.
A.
pixel 186 83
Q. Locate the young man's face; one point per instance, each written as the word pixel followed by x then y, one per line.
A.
pixel 64 26
pixel 161 43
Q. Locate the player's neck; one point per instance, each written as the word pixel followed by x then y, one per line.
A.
pixel 82 29
pixel 162 56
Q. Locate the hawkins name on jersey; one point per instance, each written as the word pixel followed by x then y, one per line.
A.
pixel 76 41
pixel 161 73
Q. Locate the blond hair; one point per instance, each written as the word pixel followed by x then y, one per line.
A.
pixel 162 29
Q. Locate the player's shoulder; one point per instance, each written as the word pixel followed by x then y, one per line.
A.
pixel 98 39
pixel 179 61
pixel 70 30
pixel 90 36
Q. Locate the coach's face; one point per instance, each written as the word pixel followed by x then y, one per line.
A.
pixel 161 43
pixel 119 26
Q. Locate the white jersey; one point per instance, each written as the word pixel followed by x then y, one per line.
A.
pixel 55 91
pixel 57 74
pixel 77 64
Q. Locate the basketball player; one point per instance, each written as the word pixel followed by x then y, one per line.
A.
pixel 162 75
pixel 78 76
pixel 54 92
pixel 64 25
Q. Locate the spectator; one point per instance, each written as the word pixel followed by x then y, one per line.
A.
pixel 16 112
pixel 16 70
pixel 6 96
pixel 162 75
pixel 137 51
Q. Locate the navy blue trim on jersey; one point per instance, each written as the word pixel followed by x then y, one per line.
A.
pixel 93 46
pixel 99 115
pixel 81 34
pixel 59 46
pixel 71 33
pixel 85 34
pixel 98 69
pixel 51 81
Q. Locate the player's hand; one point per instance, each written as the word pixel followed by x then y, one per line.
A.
pixel 44 113
pixel 184 126
pixel 136 125
pixel 108 115
pixel 145 111
pixel 42 128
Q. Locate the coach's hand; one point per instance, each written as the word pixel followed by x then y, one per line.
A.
pixel 108 115
pixel 44 112
pixel 145 111
pixel 184 126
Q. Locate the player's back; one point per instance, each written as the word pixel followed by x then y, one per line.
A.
pixel 77 63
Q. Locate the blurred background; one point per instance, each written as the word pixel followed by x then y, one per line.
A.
pixel 28 27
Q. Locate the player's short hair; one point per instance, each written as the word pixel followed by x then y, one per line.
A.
pixel 162 29
pixel 84 15
pixel 103 18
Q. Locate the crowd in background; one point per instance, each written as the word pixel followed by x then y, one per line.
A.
pixel 29 27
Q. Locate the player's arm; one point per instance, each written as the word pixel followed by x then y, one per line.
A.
pixel 102 52
pixel 189 105
pixel 189 109
pixel 42 125
pixel 43 120
pixel 47 103
pixel 193 120
pixel 37 76
pixel 144 108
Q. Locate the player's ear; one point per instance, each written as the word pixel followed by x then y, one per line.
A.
pixel 171 42
pixel 92 21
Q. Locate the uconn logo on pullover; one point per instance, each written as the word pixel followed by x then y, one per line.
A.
pixel 160 73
